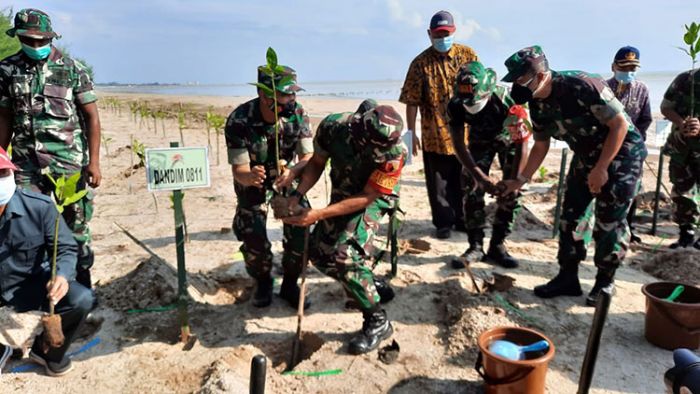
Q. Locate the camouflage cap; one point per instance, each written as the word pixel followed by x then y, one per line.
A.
pixel 525 60
pixel 379 127
pixel 32 23
pixel 285 81
pixel 474 82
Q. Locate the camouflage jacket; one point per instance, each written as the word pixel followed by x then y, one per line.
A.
pixel 47 127
pixel 486 126
pixel 635 98
pixel 577 111
pixel 250 140
pixel 352 166
pixel 677 98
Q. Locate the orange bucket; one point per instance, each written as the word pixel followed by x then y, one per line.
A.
pixel 504 376
pixel 672 325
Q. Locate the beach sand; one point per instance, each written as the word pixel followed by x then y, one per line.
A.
pixel 435 313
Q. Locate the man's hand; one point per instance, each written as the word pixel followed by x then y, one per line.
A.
pixel 416 143
pixel 57 289
pixel 597 178
pixel 488 184
pixel 285 180
pixel 94 176
pixel 256 176
pixel 306 218
pixel 508 186
pixel 691 127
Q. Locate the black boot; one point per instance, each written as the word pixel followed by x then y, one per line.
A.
pixel 696 245
pixel 497 250
pixel 564 284
pixel 474 253
pixel 263 293
pixel 291 293
pixel 685 239
pixel 604 280
pixel 375 328
pixel 386 293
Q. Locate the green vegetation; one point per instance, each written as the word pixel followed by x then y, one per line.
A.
pixel 8 45
pixel 692 39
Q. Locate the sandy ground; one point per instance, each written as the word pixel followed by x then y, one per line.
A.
pixel 435 315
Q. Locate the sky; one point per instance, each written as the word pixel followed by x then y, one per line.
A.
pixel 223 41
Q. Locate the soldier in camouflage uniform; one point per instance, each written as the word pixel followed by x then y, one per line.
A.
pixel 48 112
pixel 366 156
pixel 580 109
pixel 683 146
pixel 482 104
pixel 250 139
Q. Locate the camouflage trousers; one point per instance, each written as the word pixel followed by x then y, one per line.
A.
pixel 77 216
pixel 250 227
pixel 342 248
pixel 610 232
pixel 508 207
pixel 684 171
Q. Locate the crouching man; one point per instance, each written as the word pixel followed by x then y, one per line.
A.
pixel 27 231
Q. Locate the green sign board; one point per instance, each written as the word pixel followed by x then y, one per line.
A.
pixel 177 168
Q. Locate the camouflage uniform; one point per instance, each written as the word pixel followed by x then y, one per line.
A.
pixel 342 246
pixel 488 139
pixel 250 140
pixel 576 112
pixel 684 167
pixel 47 127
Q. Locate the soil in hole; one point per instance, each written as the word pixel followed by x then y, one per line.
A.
pixel 681 265
pixel 280 353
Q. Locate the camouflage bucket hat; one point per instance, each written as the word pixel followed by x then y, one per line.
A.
pixel 32 23
pixel 285 82
pixel 525 60
pixel 379 127
pixel 474 82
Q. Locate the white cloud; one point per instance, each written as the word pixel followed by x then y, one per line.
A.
pixel 467 27
pixel 398 13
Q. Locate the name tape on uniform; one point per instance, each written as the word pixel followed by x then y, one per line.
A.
pixel 177 168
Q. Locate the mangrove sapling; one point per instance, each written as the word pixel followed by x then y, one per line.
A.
pixel 692 39
pixel 65 193
pixel 217 123
pixel 181 123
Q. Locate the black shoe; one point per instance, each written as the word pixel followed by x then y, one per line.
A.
pixel 291 293
pixel 603 281
pixel 474 253
pixel 685 239
pixel 634 238
pixel 460 227
pixel 564 284
pixel 375 328
pixel 5 353
pixel 443 233
pixel 386 293
pixel 52 368
pixel 263 293
pixel 499 255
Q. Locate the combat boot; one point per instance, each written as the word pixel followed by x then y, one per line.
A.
pixel 564 284
pixel 375 328
pixel 291 292
pixel 685 238
pixel 263 293
pixel 474 253
pixel 604 280
pixel 497 250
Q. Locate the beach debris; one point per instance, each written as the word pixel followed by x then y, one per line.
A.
pixel 390 353
pixel 414 246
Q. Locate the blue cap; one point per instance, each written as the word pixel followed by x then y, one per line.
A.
pixel 442 20
pixel 627 56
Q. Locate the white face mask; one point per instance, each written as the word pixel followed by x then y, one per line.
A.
pixel 7 189
pixel 477 107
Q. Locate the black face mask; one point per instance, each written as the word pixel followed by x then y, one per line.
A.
pixel 288 110
pixel 520 94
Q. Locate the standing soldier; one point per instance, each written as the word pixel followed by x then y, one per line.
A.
pixel 48 111
pixel 683 146
pixel 428 88
pixel 580 108
pixel 485 106
pixel 634 96
pixel 250 138
pixel 366 156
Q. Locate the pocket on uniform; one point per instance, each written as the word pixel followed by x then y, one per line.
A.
pixel 20 85
pixel 26 252
pixel 58 101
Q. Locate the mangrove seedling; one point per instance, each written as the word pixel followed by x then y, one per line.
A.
pixel 691 38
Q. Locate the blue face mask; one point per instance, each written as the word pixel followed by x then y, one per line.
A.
pixel 625 76
pixel 39 53
pixel 442 44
